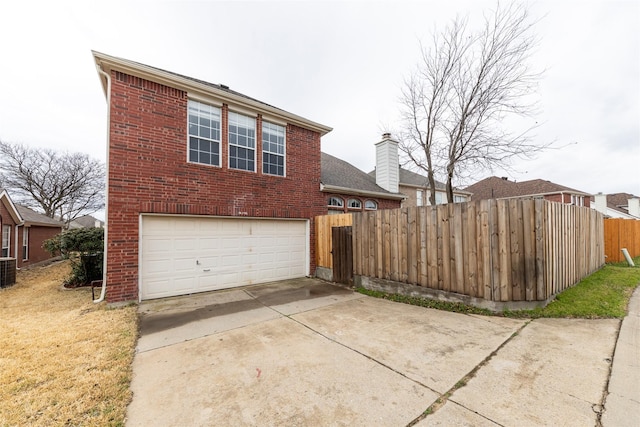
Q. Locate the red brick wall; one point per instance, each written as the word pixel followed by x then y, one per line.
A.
pixel 566 198
pixel 149 173
pixel 37 236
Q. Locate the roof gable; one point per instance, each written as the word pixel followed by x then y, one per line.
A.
pixel 193 86
pixel 11 208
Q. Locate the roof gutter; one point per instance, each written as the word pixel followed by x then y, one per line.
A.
pixel 354 192
pixel 549 193
pixel 427 188
pixel 106 63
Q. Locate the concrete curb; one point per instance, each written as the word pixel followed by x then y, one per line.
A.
pixel 622 404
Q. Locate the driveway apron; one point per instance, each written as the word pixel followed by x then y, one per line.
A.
pixel 304 352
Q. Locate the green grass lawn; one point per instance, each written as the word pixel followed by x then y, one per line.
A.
pixel 604 294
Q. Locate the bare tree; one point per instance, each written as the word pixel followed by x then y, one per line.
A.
pixel 61 185
pixel 466 85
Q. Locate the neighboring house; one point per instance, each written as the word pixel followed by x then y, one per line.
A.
pixel 617 205
pixel 207 188
pixel 86 221
pixel 24 231
pixel 501 188
pixel 416 189
pixel 348 189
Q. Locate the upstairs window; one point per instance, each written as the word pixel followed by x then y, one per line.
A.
pixel 354 204
pixel 204 133
pixel 419 198
pixel 370 205
pixel 6 240
pixel 242 142
pixel 273 144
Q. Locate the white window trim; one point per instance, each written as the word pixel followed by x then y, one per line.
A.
pixel 419 198
pixel 352 207
pixel 341 205
pixel 8 240
pixel 25 243
pixel 284 154
pixel 219 107
pixel 255 142
pixel 374 208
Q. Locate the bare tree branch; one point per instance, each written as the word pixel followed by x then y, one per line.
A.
pixel 61 185
pixel 467 84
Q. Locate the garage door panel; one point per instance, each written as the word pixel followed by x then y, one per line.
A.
pixel 181 255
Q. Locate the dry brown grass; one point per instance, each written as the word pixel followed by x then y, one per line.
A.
pixel 63 359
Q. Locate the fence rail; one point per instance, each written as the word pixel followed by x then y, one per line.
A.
pixel 497 250
pixel 621 233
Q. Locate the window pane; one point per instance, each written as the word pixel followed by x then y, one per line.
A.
pixel 204 134
pixel 273 148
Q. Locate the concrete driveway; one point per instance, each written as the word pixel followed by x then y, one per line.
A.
pixel 306 353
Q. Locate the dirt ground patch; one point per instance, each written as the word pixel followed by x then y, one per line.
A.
pixel 65 360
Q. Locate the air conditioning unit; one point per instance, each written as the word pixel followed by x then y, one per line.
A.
pixel 7 272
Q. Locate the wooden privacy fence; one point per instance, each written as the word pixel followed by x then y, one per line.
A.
pixel 497 250
pixel 324 224
pixel 621 233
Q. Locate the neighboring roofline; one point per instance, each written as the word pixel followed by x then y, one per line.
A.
pixel 29 223
pixel 354 192
pixel 15 215
pixel 549 193
pixel 106 63
pixel 41 224
pixel 426 187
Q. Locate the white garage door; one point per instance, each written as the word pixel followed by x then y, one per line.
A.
pixel 183 255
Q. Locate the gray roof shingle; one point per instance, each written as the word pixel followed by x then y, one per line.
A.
pixel 33 217
pixel 337 172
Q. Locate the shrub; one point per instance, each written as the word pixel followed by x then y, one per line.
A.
pixel 85 248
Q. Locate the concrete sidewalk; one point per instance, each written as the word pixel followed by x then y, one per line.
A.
pixel 308 353
pixel 622 405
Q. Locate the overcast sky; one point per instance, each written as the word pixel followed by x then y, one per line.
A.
pixel 341 64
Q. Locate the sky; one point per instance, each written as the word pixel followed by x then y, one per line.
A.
pixel 338 63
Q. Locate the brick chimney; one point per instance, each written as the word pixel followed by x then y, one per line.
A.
pixel 634 207
pixel 601 202
pixel 387 164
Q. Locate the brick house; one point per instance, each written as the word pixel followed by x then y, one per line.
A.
pixel 24 231
pixel 207 188
pixel 501 188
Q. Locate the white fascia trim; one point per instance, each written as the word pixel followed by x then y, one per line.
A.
pixel 350 191
pixel 442 190
pixel 549 193
pixel 108 63
pixel 13 211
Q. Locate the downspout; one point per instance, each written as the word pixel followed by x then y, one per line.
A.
pixel 103 291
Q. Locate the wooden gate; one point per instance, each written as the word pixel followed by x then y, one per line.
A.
pixel 342 255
